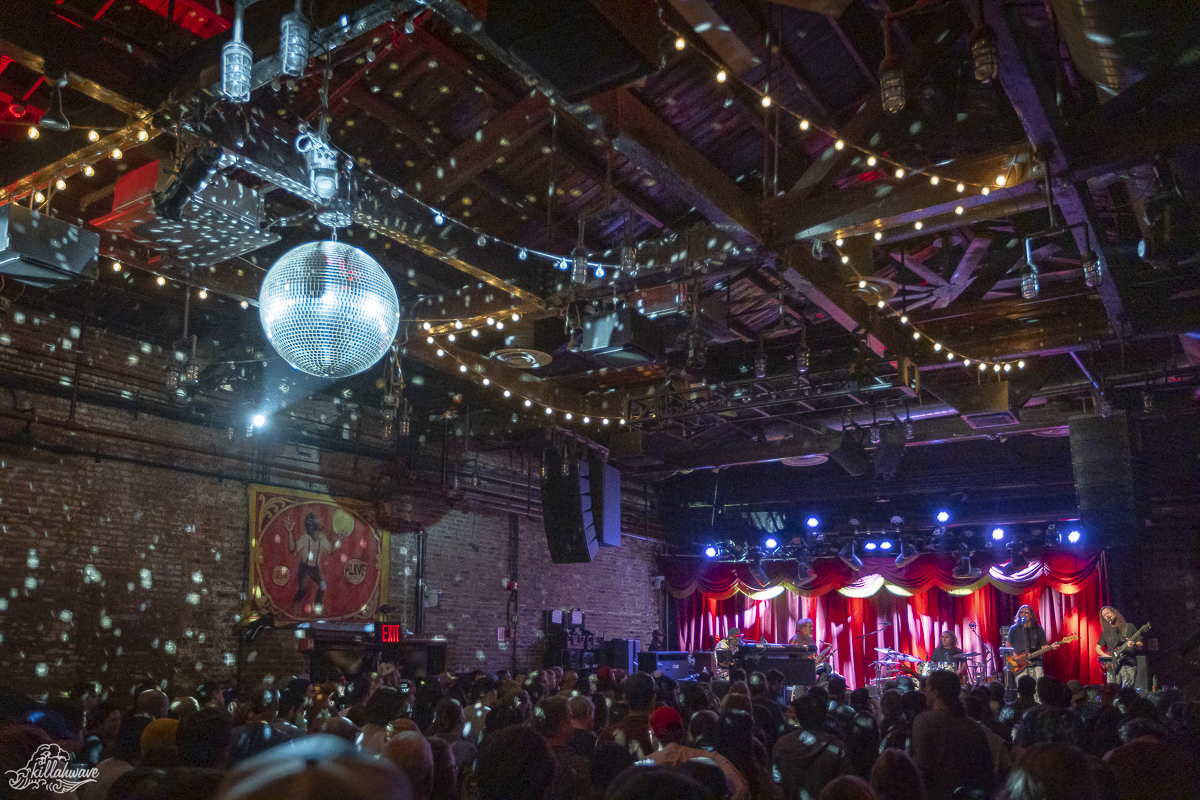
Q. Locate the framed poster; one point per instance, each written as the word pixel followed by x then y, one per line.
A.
pixel 314 557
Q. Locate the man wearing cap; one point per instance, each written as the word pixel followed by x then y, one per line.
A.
pixel 724 652
pixel 667 726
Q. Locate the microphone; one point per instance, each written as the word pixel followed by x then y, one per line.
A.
pixel 972 624
pixel 886 624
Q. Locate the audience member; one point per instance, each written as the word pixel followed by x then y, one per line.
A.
pixel 514 763
pixel 896 777
pixel 633 730
pixel 410 751
pixel 848 787
pixel 667 726
pixel 583 721
pixel 806 759
pixel 950 750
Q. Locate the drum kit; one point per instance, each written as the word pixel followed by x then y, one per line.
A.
pixel 893 664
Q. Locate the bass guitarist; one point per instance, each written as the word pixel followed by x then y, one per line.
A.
pixel 1116 633
pixel 1026 636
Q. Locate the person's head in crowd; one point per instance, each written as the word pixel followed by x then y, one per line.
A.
pixel 666 690
pixel 445 771
pixel 159 740
pixel 736 674
pixel 895 776
pixel 252 738
pixel 600 703
pixel 204 738
pixel 552 719
pixel 87 693
pixel 905 684
pixel 1078 694
pixel 1050 772
pixel 702 730
pixel 942 690
pixel 1141 728
pixel 483 690
pixel 152 703
pixel 639 693
pixel 644 782
pixel 995 692
pixel 667 725
pixel 757 682
pixel 810 712
pixel 142 783
pixel 448 719
pixel 913 703
pixel 837 689
pixel 848 787
pixel 515 764
pixel 208 694
pixel 860 699
pixel 608 760
pixel 183 707
pixel 342 728
pixel 705 772
pixel 693 696
pixel 735 740
pixel 975 707
pixel 18 744
pixel 189 783
pixel 56 728
pixel 1026 687
pixel 737 702
pixel 128 746
pixel 384 706
pixel 104 721
pixel 315 768
pixel 264 704
pixel 410 752
pixel 569 682
pixel 891 705
pixel 583 713
pixel 14 706
pixel 1052 692
pixel 738 687
pixel 72 713
pixel 720 689
pixel 820 693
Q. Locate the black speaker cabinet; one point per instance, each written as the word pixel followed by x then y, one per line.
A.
pixel 1101 462
pixel 620 654
pixel 567 511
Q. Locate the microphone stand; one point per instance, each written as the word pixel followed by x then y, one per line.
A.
pixel 982 648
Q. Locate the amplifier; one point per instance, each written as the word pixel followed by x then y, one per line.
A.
pixel 797 670
pixel 672 663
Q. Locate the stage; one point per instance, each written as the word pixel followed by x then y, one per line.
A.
pixel 905 608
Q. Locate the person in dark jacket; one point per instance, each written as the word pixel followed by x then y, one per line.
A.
pixel 805 760
pixel 951 751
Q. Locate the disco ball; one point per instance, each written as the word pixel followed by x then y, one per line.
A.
pixel 329 309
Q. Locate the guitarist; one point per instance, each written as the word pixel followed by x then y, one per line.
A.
pixel 1027 636
pixel 1117 632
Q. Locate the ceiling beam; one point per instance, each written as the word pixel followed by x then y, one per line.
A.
pixel 717 34
pixel 1032 96
pixel 964 273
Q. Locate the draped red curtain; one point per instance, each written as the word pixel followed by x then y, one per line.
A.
pixel 1066 591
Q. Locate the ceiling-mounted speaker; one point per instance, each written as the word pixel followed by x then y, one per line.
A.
pixel 43 251
pixel 850 455
pixel 622 338
pixel 580 47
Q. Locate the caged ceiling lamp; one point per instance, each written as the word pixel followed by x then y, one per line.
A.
pixel 329 309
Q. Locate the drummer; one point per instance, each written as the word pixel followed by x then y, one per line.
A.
pixel 949 652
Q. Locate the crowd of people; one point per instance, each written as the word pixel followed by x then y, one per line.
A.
pixel 551 735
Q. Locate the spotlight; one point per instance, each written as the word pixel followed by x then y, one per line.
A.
pixel 192 177
pixel 997 534
pixel 711 551
pixel 870 546
pixel 885 545
pixel 236 63
pixel 1074 536
pixel 259 420
pixel 943 516
pixel 908 554
pixel 294 33
pixel 846 554
pixel 771 543
pixel 1017 561
pixel 812 522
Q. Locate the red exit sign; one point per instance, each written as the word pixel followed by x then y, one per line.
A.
pixel 390 633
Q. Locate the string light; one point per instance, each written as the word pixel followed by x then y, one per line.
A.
pixel 162 281
pixel 845 259
pixel 872 161
pixel 899 173
pixel 962 187
pixel 429 340
pixel 34 133
pixel 462 367
pixel 933 180
pixel 803 124
pixel 680 43
pixel 244 304
pixel 38 197
pixel 116 154
pixel 958 210
pixel 88 171
pixel 203 295
pixel 766 101
pixel 985 191
pixel 918 225
pixel 838 241
pixel 721 76
pixel 878 235
pixel 1000 180
pixel 116 266
pixel 60 184
pixel 839 145
pixel 93 136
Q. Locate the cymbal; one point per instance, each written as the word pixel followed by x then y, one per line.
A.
pixel 969 655
pixel 889 651
pixel 907 657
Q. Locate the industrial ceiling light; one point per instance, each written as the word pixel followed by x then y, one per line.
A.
pixel 294 33
pixel 1093 276
pixel 236 61
pixel 848 557
pixel 891 74
pixel 1029 283
pixel 54 119
pixel 329 309
pixel 985 55
pixel 760 360
pixel 322 162
pixel 579 265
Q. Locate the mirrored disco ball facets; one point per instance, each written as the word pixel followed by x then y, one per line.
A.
pixel 329 309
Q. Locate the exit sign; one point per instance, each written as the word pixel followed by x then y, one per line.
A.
pixel 389 633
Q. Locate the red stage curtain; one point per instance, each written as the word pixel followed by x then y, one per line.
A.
pixel 1066 591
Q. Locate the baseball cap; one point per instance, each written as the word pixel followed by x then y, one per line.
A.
pixel 735 632
pixel 664 718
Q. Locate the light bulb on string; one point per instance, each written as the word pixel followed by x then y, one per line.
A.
pixel 33 133
pixel 1001 180
pixel 766 101
pixel 934 180
pixel 522 254
pixel 845 259
pixel 1021 364
pixel 721 76
pixel 88 171
pixel 93 136
pixel 680 43
pixel 838 241
pixel 878 235
pixel 804 124
pixel 919 225
pixel 960 188
pixel 899 173
pixel 959 210
pixel 985 191
pixel 872 161
pixel 839 145
pixel 966 362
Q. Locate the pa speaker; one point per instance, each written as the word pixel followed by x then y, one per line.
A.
pixel 1101 462
pixel 605 482
pixel 567 510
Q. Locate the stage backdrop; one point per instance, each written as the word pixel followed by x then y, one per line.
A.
pixel 313 557
pixel 912 605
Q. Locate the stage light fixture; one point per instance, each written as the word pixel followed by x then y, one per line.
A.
pixel 54 119
pixel 885 545
pixel 963 568
pixel 195 171
pixel 804 572
pixel 943 516
pixel 812 522
pixel 1074 536
pixel 1017 562
pixel 711 551
pixel 322 162
pixel 870 546
pixel 908 554
pixel 258 420
pixel 771 543
pixel 997 534
pixel 849 558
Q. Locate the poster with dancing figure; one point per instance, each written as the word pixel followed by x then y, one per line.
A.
pixel 313 557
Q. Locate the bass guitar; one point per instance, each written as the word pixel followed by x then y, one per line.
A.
pixel 1112 667
pixel 1019 661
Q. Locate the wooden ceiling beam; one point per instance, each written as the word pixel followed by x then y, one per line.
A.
pixel 964 273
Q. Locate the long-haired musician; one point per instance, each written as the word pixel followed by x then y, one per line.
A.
pixel 1027 636
pixel 1117 632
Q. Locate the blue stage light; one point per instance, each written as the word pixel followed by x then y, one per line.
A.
pixel 771 543
pixel 1074 536
pixel 812 522
pixel 997 534
pixel 870 546
pixel 943 516
pixel 710 551
pixel 885 545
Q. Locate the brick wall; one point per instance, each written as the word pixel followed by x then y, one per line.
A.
pixel 128 563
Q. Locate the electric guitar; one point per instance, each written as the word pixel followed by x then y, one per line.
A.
pixel 1019 661
pixel 1112 667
